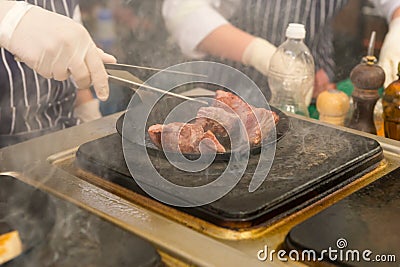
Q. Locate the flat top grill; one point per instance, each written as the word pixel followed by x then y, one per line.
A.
pixel 367 220
pixel 311 161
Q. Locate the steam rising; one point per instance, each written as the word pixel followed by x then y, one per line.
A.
pixel 57 233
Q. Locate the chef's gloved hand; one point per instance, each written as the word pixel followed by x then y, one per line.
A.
pixel 258 55
pixel 53 45
pixel 390 53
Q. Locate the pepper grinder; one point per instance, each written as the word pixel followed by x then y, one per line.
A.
pixel 367 77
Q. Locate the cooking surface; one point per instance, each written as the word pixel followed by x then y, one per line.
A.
pixel 58 233
pixel 367 219
pixel 50 166
pixel 311 161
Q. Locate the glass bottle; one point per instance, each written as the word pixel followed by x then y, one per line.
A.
pixel 391 109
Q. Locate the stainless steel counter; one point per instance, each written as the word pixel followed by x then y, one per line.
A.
pixel 42 162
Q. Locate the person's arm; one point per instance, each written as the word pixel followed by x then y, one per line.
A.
pixel 5 6
pixel 190 21
pixel 226 41
pixel 53 45
pixel 199 28
pixel 232 43
pixel 389 57
pixel 389 9
pixel 396 14
pixel 390 51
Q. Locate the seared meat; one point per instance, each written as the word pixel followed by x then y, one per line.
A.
pixel 155 134
pixel 217 120
pixel 258 126
pixel 211 143
pixel 213 124
pixel 183 137
pixel 231 102
pixel 257 121
pixel 177 136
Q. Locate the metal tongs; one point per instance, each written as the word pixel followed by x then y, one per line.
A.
pixel 127 79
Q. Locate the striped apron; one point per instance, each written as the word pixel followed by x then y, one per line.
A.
pixel 31 105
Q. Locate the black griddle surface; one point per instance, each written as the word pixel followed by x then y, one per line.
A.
pixel 311 161
pixel 369 219
pixel 59 233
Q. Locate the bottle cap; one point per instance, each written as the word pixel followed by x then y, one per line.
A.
pixel 296 31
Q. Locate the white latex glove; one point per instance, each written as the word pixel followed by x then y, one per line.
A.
pixel 258 54
pixel 53 45
pixel 88 111
pixel 390 53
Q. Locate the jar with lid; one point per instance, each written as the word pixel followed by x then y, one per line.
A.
pixel 333 106
pixel 391 109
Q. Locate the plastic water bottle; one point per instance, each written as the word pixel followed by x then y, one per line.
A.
pixel 291 73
